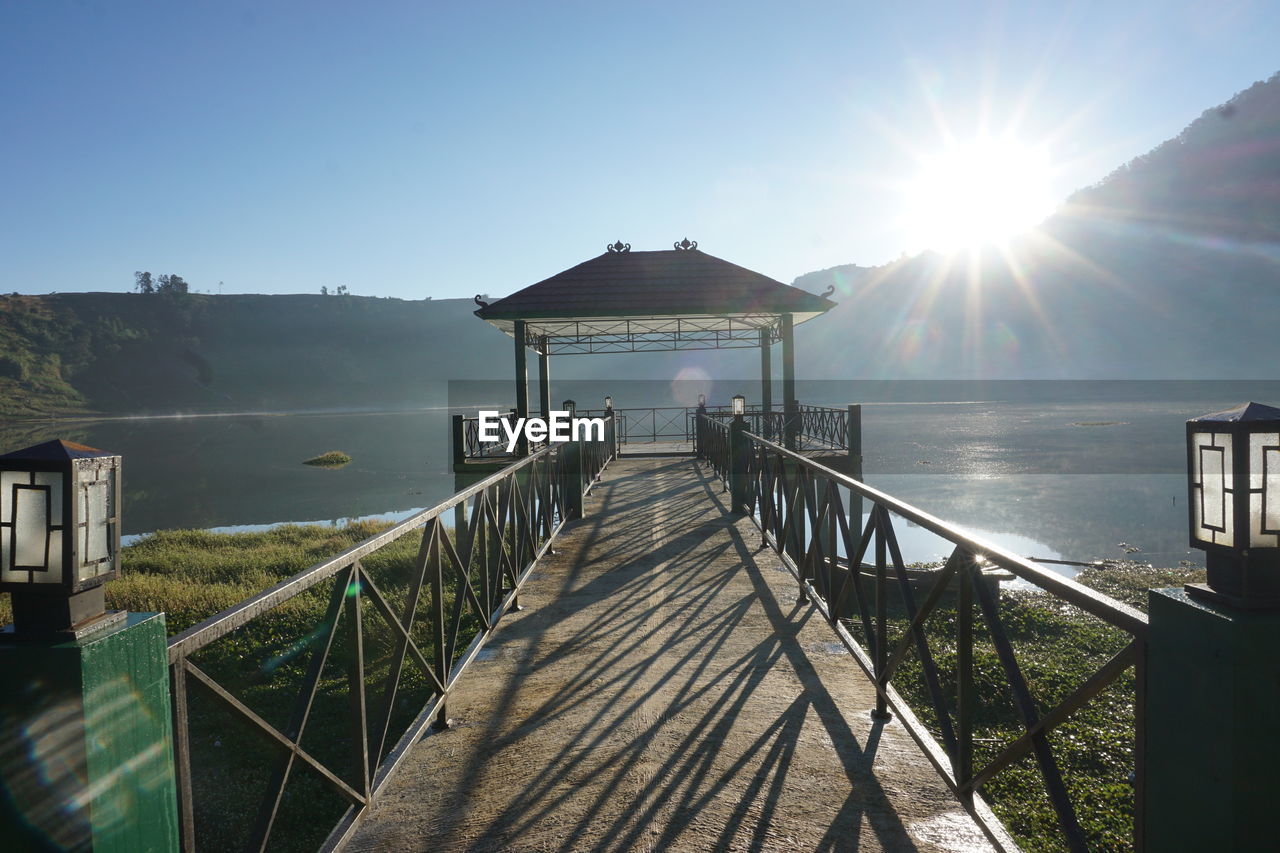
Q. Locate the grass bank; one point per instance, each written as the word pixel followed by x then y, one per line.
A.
pixel 1057 647
pixel 194 574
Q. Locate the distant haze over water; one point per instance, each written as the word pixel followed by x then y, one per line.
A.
pixel 1071 469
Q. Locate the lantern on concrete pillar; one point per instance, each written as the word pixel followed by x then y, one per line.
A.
pixel 84 693
pixel 1233 485
pixel 59 534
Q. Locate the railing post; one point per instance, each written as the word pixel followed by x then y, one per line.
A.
pixel 572 451
pixel 459 441
pixel 881 649
pixel 739 447
pixel 854 443
pixel 965 691
pixel 435 577
pixel 1213 687
pixel 791 425
pixel 697 427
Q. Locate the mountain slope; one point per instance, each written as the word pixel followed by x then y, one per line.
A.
pixel 1169 268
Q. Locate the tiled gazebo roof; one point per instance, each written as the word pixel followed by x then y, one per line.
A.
pixel 625 301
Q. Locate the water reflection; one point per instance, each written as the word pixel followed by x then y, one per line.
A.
pixel 247 469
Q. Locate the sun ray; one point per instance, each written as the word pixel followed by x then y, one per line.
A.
pixel 1024 284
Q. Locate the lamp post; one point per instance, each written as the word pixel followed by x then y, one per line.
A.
pixel 738 450
pixel 697 424
pixel 84 694
pixel 1233 489
pixel 59 535
pixel 1211 672
pixel 611 426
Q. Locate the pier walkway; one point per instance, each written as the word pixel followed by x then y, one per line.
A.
pixel 663 690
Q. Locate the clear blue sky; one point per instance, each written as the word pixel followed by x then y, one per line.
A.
pixel 418 149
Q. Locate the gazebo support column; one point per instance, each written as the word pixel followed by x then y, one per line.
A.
pixel 544 377
pixel 522 384
pixel 791 419
pixel 766 380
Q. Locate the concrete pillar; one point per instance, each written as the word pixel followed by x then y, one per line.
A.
pixel 522 385
pixel 854 445
pixel 458 441
pixel 792 426
pixel 1213 687
pixel 88 755
pixel 544 377
pixel 766 381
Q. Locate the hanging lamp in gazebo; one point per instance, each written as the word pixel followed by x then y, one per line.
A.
pixel 677 299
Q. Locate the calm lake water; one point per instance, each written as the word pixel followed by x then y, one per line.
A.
pixel 1058 469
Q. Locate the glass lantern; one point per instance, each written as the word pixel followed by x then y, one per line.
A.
pixel 1233 486
pixel 571 407
pixel 739 404
pixel 59 522
pixel 608 402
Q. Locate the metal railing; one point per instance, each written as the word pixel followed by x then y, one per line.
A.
pixel 597 454
pixel 816 427
pixel 823 427
pixel 431 609
pixel 713 444
pixel 468 444
pixel 640 425
pixel 799 507
pixel 474 448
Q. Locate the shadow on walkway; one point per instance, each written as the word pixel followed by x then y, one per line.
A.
pixel 664 691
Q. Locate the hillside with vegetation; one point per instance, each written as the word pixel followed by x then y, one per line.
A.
pixel 173 352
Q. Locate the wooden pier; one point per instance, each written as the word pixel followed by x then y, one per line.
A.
pixel 663 689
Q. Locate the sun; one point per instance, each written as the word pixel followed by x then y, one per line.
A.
pixel 983 192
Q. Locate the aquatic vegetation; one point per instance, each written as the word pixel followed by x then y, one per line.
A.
pixel 329 459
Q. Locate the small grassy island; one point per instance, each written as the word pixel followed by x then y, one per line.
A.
pixel 329 459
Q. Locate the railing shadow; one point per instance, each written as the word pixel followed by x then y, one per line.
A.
pixel 667 644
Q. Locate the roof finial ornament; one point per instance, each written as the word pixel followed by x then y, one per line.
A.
pixel 826 294
pixel 685 245
pixel 620 247
pixel 480 301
